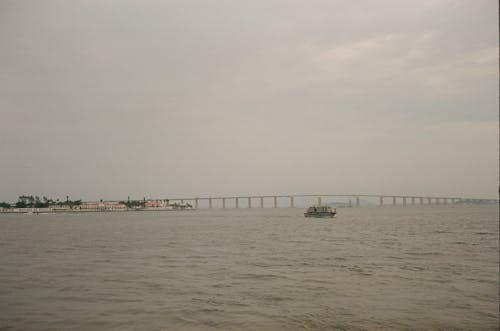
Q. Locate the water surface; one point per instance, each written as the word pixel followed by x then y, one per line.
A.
pixel 251 269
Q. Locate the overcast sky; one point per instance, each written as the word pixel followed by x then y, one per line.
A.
pixel 109 99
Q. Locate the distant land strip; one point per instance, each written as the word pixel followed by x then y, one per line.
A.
pixel 36 204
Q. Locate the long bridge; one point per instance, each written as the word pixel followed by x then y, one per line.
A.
pixel 289 201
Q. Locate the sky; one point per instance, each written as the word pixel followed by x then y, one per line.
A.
pixel 104 99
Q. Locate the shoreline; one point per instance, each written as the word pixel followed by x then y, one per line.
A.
pixel 97 210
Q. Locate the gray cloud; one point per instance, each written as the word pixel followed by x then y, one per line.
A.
pixel 160 98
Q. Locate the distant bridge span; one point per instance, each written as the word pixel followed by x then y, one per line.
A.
pixel 258 201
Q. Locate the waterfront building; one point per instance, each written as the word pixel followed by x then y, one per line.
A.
pixel 102 206
pixel 155 204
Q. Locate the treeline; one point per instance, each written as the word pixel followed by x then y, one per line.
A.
pixel 30 201
pixel 134 203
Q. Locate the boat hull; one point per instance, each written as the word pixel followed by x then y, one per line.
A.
pixel 320 215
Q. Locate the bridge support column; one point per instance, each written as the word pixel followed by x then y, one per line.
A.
pixel 261 202
pixel 275 202
pixel 237 202
pixel 393 201
pixel 445 201
pixel 319 201
pixel 224 203
pixel 437 201
pixel 210 203
pixel 182 201
pixel 404 201
pixel 357 201
pixel 249 202
pixel 381 201
pixel 291 202
pixel 421 201
pixel 429 201
pixel 196 203
pixel 413 201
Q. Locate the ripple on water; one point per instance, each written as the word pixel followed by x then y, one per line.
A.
pixel 371 269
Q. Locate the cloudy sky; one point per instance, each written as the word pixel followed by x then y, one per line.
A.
pixel 116 98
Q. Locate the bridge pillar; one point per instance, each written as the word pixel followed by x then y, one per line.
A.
pixel 237 202
pixel 249 202
pixel 261 202
pixel 357 201
pixel 223 202
pixel 421 201
pixel 429 201
pixel 437 201
pixel 413 201
pixel 404 201
pixel 210 203
pixel 291 202
pixel 393 201
pixel 196 203
pixel 275 202
pixel 445 201
pixel 381 201
pixel 319 201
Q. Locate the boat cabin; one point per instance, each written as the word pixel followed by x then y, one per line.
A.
pixel 320 211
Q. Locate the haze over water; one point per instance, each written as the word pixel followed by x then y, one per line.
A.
pixel 251 269
pixel 110 99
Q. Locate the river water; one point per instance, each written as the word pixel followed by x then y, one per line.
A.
pixel 252 269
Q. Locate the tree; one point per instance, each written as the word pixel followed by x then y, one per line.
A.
pixel 133 203
pixel 21 204
pixel 25 201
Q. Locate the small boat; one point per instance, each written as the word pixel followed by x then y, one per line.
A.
pixel 320 211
